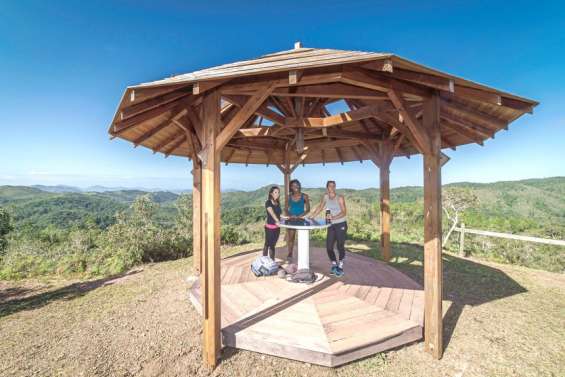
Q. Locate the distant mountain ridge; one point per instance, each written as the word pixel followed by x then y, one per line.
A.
pixel 536 200
pixel 98 188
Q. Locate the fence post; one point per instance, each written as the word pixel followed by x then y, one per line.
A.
pixel 462 241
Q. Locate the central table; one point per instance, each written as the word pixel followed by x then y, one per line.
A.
pixel 303 228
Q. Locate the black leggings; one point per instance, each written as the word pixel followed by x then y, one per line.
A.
pixel 336 233
pixel 271 238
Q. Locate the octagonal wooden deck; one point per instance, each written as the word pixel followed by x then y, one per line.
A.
pixel 333 321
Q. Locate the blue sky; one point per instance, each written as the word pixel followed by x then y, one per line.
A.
pixel 64 66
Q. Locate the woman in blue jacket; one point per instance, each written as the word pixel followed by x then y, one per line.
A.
pixel 298 206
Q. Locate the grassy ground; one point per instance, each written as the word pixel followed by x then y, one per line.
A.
pixel 499 321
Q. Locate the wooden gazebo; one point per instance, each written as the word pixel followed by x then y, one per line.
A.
pixel 274 110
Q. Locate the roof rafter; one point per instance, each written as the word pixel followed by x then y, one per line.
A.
pixel 416 129
pixel 338 119
pixel 262 110
pixel 161 126
pixel 139 118
pixel 248 109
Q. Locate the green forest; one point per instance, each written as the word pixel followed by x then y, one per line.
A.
pixel 72 233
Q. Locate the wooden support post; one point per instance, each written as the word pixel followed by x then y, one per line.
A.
pixel 210 276
pixel 433 279
pixel 462 241
pixel 196 215
pixel 286 174
pixel 384 171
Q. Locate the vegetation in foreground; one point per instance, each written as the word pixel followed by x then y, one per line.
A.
pixel 75 234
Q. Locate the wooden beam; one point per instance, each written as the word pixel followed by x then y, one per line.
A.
pixel 167 141
pixel 299 140
pixel 139 118
pixel 193 142
pixel 294 77
pixel 475 116
pixel 243 115
pixel 384 179
pixel 373 152
pixel 262 110
pixel 279 105
pixel 518 104
pixel 339 133
pixel 281 168
pixel 154 102
pixel 433 278
pixel 196 123
pixel 474 128
pixel 379 82
pixel 383 65
pixel 263 131
pixel 142 93
pixel 472 136
pixel 301 158
pixel 229 156
pixel 175 145
pixel 339 154
pixel 357 154
pixel 202 86
pixel 286 174
pixel 164 124
pixel 197 215
pixel 420 136
pixel 478 95
pixel 338 119
pixel 252 86
pixel 211 199
pixel 437 82
pixel 333 90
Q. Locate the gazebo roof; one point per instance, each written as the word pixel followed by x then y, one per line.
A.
pixel 381 96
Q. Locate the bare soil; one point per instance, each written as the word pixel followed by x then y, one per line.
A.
pixel 499 321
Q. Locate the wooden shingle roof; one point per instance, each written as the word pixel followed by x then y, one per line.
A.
pixel 299 58
pixel 383 95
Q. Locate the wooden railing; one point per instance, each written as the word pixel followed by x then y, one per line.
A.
pixel 462 231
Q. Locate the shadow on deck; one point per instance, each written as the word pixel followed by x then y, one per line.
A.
pixel 465 282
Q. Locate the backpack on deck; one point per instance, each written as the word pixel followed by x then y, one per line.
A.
pixel 264 266
pixel 302 276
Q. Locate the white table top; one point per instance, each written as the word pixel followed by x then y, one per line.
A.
pixel 309 224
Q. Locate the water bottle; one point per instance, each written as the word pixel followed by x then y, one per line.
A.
pixel 328 217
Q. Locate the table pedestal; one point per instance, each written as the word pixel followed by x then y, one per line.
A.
pixel 303 249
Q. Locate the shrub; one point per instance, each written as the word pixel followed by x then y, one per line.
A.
pixel 5 228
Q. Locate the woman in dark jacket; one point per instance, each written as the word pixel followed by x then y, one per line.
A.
pixel 272 230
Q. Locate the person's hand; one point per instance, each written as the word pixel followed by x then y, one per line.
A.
pixel 284 217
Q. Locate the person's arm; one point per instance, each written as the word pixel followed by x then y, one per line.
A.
pixel 273 214
pixel 319 207
pixel 306 206
pixel 342 207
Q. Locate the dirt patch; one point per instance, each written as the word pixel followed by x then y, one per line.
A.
pixel 142 324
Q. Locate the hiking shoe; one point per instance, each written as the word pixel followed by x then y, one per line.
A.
pixel 333 270
pixel 339 272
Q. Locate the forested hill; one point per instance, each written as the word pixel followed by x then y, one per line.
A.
pixel 540 200
pixel 53 230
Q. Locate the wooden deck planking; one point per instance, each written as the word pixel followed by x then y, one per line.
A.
pixel 333 321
